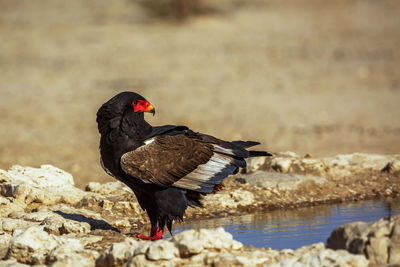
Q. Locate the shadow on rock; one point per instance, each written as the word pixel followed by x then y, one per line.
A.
pixel 94 224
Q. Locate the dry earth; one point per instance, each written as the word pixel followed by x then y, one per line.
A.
pixel 318 77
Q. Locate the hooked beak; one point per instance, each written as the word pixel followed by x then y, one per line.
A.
pixel 151 109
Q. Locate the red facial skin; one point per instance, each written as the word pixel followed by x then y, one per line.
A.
pixel 142 106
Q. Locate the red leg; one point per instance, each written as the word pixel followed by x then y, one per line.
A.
pixel 155 234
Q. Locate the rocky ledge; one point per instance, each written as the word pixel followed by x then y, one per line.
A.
pixel 45 219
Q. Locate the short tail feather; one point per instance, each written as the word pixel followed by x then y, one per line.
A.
pixel 247 144
pixel 259 154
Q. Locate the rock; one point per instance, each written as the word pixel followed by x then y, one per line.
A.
pixel 74 227
pixel 377 250
pixel 43 177
pixel 230 199
pixel 282 181
pixel 325 257
pixel 378 241
pixel 162 250
pixel 7 206
pixel 58 259
pixel 110 188
pixel 5 240
pixel 12 263
pixel 187 243
pixel 281 164
pixel 10 225
pixel 118 253
pixel 37 216
pixel 394 246
pixel 340 165
pixel 139 261
pixel 254 163
pixel 205 239
pixel 58 225
pixel 351 237
pixel 47 185
pixel 31 245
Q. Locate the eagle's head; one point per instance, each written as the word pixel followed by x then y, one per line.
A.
pixel 121 104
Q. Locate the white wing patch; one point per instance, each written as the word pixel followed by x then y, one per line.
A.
pixel 148 141
pixel 223 150
pixel 207 175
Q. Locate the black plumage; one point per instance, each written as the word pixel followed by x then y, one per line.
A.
pixel 167 167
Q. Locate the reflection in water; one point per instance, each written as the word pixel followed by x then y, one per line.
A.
pixel 295 228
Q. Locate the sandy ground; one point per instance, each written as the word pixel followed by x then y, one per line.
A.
pixel 308 76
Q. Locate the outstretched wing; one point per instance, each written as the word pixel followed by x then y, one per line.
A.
pixel 181 161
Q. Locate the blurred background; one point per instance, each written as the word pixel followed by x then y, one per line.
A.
pixel 309 76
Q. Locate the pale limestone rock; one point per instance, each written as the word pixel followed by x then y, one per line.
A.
pixel 378 241
pixel 122 223
pixel 74 259
pixel 4 202
pixel 229 260
pixel 351 236
pixel 377 250
pixel 281 164
pixel 305 249
pixel 30 245
pixel 5 240
pixel 340 165
pixel 52 225
pixel 7 206
pixel 12 263
pixel 89 239
pixel 10 225
pixel 47 185
pixel 394 247
pixel 110 188
pixel 74 227
pixel 289 154
pixel 283 181
pixel 162 250
pixel 325 257
pixel 43 177
pixel 72 254
pixel 141 247
pixel 230 200
pixel 37 216
pixel 119 253
pixel 106 204
pixel 33 245
pixel 254 163
pixel 242 197
pixel 11 207
pixel 186 244
pixel 57 225
pixel 139 261
pixel 207 239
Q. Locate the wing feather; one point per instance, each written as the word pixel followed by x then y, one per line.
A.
pixel 181 161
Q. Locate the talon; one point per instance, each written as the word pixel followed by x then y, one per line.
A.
pixel 145 237
pixel 155 236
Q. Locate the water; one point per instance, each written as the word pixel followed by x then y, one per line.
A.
pixel 295 228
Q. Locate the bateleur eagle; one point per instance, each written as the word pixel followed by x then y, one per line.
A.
pixel 167 167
